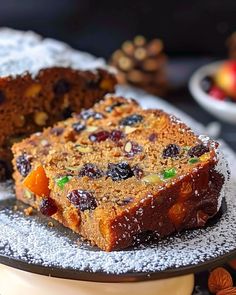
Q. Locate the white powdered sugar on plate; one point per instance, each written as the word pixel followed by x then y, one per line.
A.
pixel 22 52
pixel 29 240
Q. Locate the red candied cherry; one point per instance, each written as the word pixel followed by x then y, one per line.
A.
pixel 217 93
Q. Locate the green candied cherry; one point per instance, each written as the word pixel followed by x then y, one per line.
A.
pixel 193 160
pixel 62 181
pixel 169 173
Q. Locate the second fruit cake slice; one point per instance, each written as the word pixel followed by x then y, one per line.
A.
pixel 116 171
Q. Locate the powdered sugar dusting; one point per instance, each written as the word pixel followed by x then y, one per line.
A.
pixel 22 52
pixel 27 239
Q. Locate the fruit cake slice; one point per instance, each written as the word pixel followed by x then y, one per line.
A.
pixel 115 172
pixel 41 82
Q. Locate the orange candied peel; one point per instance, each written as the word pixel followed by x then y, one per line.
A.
pixel 37 182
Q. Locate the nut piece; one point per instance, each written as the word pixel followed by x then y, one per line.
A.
pixel 84 149
pixel 129 129
pixel 227 291
pixel 40 118
pixel 219 279
pixel 152 179
pixel 28 211
pixel 128 147
pixel 33 90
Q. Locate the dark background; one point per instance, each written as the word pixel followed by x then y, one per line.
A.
pixel 194 32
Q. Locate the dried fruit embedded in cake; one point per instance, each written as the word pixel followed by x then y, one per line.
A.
pixel 23 164
pixel 57 131
pixel 177 213
pixel 84 148
pixel 116 135
pixel 152 137
pixel 132 148
pixel 37 182
pixel 83 200
pixel 61 87
pixel 78 126
pixel 198 150
pixel 2 97
pixel 171 151
pixel 99 136
pixel 138 172
pixel 86 114
pixel 169 173
pixel 40 118
pixel 193 160
pixel 62 181
pixel 119 171
pixel 48 207
pixel 131 120
pixel 110 108
pixel 91 171
pixel 125 201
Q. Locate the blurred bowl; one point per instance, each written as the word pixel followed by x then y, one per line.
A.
pixel 224 110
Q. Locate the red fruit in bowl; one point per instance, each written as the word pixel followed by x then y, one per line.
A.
pixel 225 78
pixel 217 93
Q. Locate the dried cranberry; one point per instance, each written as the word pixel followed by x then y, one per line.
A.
pixel 2 97
pixel 131 148
pixel 23 164
pixel 90 170
pixel 131 120
pixel 84 200
pixel 152 137
pixel 57 131
pixel 110 108
pixel 171 151
pixel 99 136
pixel 48 207
pixel 138 172
pixel 125 201
pixel 119 171
pixel 86 114
pixel 78 126
pixel 61 87
pixel 198 150
pixel 116 135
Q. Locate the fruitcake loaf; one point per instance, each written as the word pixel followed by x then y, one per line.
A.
pixel 115 172
pixel 43 81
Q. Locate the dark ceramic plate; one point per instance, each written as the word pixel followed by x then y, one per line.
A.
pixel 31 243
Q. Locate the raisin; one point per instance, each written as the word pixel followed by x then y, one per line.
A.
pixel 86 114
pixel 116 135
pixel 61 87
pixel 84 200
pixel 171 151
pixel 119 171
pixel 2 97
pixel 152 137
pixel 138 172
pixel 125 201
pixel 198 150
pixel 131 120
pixel 23 165
pixel 110 108
pixel 99 136
pixel 78 126
pixel 57 131
pixel 48 207
pixel 91 170
pixel 132 148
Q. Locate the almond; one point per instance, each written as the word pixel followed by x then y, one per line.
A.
pixel 227 291
pixel 219 279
